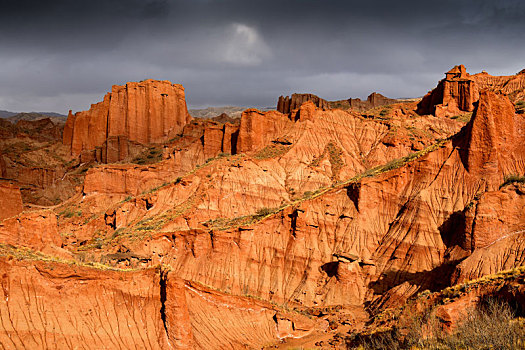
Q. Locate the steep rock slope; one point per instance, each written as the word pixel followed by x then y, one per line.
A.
pixel 104 308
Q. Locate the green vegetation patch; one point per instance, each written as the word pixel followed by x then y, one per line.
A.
pixel 150 155
pixel 511 179
pixel 23 253
pixel 272 151
pixel 464 118
pixel 520 107
pixel 70 213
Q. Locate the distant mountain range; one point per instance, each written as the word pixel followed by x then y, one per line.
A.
pixel 15 117
pixel 211 112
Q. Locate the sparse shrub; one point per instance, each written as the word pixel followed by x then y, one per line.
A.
pixel 491 325
pixel 335 158
pixel 148 156
pixel 465 117
pixel 520 107
pixel 385 111
pixel 512 178
pixel 396 163
pixel 272 151
pixel 264 211
pixel 69 213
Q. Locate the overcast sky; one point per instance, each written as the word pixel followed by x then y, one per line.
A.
pixel 66 54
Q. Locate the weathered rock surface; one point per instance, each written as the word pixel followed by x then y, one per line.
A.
pixel 373 100
pixel 287 104
pixel 495 140
pixel 148 309
pixel 33 157
pixel 37 230
pixel 10 200
pixel 356 240
pixel 459 91
pixel 145 112
pixel 3 168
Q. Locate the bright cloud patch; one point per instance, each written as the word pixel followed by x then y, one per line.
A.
pixel 244 46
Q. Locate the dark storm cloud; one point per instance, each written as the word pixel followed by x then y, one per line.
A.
pixel 56 55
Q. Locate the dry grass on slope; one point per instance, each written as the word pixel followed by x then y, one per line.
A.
pixel 492 324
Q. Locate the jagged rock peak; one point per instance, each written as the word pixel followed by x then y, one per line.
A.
pixel 287 104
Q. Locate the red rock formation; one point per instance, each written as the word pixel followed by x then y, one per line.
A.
pixel 42 129
pixel 494 144
pixel 145 112
pixel 258 129
pixel 35 230
pixel 287 104
pixel 373 100
pixel 459 91
pixel 10 200
pixel 126 179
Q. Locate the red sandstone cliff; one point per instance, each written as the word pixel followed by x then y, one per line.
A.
pixel 373 100
pixel 146 112
pixel 287 104
pixel 459 91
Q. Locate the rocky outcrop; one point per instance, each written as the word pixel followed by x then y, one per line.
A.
pixel 41 129
pixel 287 104
pixel 391 228
pixel 495 145
pixel 459 91
pixel 494 232
pixel 258 129
pixel 146 112
pixel 10 200
pixel 373 100
pixel 36 230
